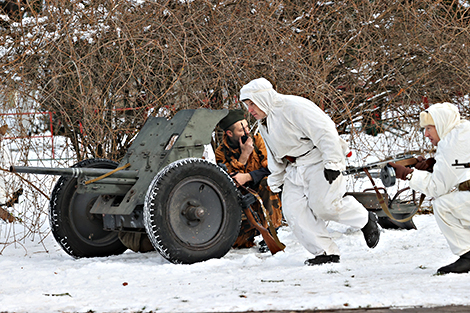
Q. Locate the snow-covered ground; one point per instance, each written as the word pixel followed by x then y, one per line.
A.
pixel 36 275
pixel 399 272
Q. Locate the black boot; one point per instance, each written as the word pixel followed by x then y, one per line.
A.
pixel 263 247
pixel 462 265
pixel 322 259
pixel 371 231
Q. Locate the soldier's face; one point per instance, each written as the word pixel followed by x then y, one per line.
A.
pixel 431 133
pixel 254 110
pixel 238 131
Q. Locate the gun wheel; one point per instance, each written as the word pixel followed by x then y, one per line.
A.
pixel 192 211
pixel 79 232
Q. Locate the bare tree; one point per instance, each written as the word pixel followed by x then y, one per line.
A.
pixel 103 66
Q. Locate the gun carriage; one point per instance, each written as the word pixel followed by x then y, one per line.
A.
pixel 190 208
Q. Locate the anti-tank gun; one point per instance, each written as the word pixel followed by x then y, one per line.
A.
pixel 392 212
pixel 189 208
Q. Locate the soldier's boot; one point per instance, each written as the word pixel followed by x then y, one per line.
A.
pixel 462 265
pixel 371 231
pixel 263 247
pixel 322 259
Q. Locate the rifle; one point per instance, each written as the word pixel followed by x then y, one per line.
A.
pixel 465 165
pixel 387 173
pixel 269 235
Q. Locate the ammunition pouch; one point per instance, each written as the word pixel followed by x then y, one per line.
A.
pixel 465 186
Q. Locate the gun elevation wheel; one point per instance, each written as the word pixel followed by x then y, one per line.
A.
pixel 79 232
pixel 192 211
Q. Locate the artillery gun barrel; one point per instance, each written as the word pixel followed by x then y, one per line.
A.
pixel 74 171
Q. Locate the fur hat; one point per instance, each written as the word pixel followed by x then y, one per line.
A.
pixel 425 119
pixel 232 117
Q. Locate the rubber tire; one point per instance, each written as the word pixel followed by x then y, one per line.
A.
pixel 72 224
pixel 184 241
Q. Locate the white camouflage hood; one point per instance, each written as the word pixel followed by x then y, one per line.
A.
pixel 446 116
pixel 262 93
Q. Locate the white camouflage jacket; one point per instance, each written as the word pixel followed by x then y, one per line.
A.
pixel 454 144
pixel 293 127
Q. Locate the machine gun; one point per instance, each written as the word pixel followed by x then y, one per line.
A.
pixel 387 173
pixel 391 211
pixel 163 188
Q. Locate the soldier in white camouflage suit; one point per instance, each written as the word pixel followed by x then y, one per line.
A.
pixel 448 185
pixel 306 156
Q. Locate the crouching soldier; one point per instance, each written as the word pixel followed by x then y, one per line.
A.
pixel 246 160
pixel 448 185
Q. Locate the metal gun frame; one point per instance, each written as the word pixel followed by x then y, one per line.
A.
pixel 189 208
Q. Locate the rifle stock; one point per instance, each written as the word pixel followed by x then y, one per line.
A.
pixel 411 161
pixel 269 236
pixel 273 246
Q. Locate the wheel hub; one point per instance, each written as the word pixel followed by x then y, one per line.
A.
pixel 193 212
pixel 196 211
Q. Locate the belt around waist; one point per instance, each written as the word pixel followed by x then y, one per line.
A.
pixel 292 158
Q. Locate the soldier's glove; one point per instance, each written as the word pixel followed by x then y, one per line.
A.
pixel 331 175
pixel 425 164
pixel 400 171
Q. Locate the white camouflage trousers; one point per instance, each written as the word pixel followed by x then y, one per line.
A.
pixel 452 213
pixel 309 201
